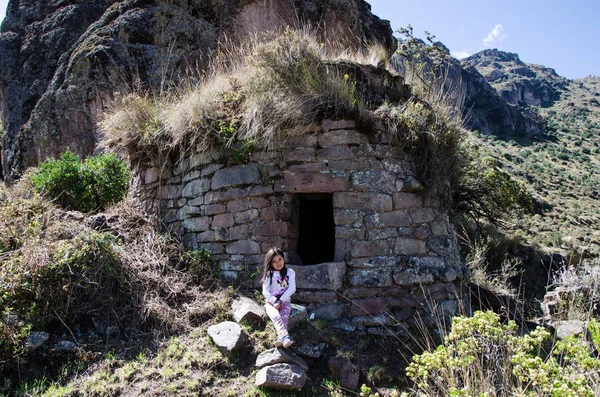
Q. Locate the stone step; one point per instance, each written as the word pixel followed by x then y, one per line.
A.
pixel 279 355
pixel 281 376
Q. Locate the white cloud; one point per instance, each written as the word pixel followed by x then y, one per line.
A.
pixel 460 54
pixel 495 35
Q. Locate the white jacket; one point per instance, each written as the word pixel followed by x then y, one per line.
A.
pixel 274 288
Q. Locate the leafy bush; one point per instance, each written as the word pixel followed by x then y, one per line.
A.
pixel 483 357
pixel 486 191
pixel 86 186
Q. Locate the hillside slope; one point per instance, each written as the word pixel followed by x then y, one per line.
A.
pixel 561 167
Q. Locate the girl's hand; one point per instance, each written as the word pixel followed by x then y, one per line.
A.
pixel 277 305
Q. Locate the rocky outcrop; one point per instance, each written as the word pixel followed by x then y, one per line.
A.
pixel 64 60
pixel 516 82
pixel 481 107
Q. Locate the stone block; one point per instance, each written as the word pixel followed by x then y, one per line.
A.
pixel 363 307
pixel 439 229
pixel 222 221
pixel 443 246
pixel 371 277
pixel 410 277
pixel 360 292
pixel 301 154
pixel 324 276
pixel 342 250
pixel 382 319
pixel 191 176
pixel 329 310
pixel 315 296
pixel 382 234
pixel 259 202
pixel 214 209
pixel 239 232
pixel 363 201
pixel 422 215
pixel 328 124
pixel 311 182
pixel 410 246
pixel 246 216
pixel 243 247
pixel 374 181
pixel 412 185
pixel 397 218
pixel 311 350
pixel 260 190
pixel 305 140
pixel 370 248
pixel 349 233
pixel 341 137
pixel 196 188
pixel 407 200
pixel 341 152
pixel 234 176
pixel 238 205
pixel 278 355
pixel 210 169
pixel 150 175
pixel 280 229
pixel 204 237
pixel 170 192
pixel 281 376
pixel 198 224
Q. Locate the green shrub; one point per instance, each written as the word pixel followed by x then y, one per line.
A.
pixel 86 186
pixel 483 357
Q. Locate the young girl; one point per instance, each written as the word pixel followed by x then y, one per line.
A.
pixel 279 283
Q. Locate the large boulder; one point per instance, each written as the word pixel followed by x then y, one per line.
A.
pixel 227 336
pixel 247 310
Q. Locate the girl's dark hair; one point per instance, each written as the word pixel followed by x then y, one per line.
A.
pixel 268 269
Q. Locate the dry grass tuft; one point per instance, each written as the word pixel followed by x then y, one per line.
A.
pixel 253 92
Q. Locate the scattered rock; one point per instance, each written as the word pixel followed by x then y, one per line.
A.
pixel 281 376
pixel 345 372
pixel 565 329
pixel 65 346
pixel 228 336
pixel 36 339
pixel 246 309
pixel 310 350
pixel 278 355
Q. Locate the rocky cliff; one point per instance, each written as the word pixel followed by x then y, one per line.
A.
pixel 518 83
pixel 482 108
pixel 63 60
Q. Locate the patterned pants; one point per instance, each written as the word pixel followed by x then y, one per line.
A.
pixel 280 317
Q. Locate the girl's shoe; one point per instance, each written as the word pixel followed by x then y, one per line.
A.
pixel 287 341
pixel 278 342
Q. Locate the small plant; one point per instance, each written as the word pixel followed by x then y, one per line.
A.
pixel 483 357
pixel 91 185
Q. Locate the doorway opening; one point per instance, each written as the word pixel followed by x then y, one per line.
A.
pixel 316 229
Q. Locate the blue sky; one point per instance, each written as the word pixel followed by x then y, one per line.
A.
pixel 561 34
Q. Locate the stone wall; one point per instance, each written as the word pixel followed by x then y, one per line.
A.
pixel 394 248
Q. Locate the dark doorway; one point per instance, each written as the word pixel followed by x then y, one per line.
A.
pixel 316 230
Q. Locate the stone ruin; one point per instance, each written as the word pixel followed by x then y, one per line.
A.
pixel 368 245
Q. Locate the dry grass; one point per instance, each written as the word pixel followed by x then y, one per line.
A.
pixel 253 92
pixel 62 271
